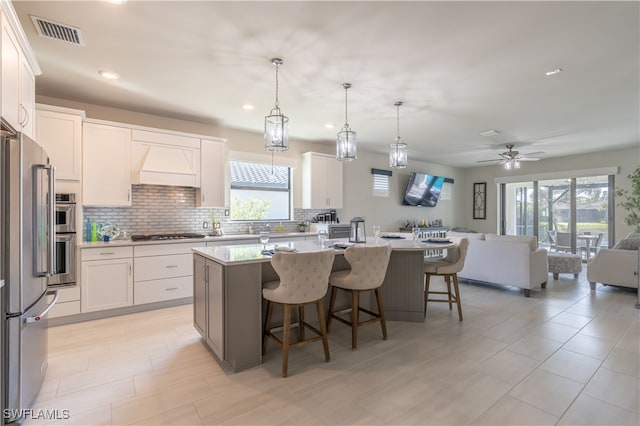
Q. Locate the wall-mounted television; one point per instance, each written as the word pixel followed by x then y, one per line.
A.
pixel 423 190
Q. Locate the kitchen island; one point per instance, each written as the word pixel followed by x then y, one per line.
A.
pixel 228 292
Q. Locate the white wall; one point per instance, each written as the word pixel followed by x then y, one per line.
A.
pixel 626 160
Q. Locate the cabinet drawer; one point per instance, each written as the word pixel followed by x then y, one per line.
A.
pixel 102 253
pixel 159 290
pixel 164 249
pixel 158 267
pixel 67 294
pixel 64 309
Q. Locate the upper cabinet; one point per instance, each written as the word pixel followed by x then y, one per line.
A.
pixel 212 174
pixel 59 132
pixel 321 181
pixel 106 165
pixel 19 69
pixel 165 159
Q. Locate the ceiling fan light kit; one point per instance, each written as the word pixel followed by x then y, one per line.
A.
pixel 346 143
pixel 276 124
pixel 511 159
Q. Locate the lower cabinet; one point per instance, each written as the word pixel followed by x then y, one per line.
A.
pixel 208 307
pixel 107 278
pixel 68 302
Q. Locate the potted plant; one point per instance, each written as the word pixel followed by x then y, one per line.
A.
pixel 630 200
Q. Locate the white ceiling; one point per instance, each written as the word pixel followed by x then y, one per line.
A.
pixel 460 67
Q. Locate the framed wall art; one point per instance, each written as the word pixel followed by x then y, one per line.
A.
pixel 480 200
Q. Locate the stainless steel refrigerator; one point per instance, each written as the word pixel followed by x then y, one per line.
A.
pixel 27 231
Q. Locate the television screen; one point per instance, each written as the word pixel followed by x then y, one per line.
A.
pixel 422 190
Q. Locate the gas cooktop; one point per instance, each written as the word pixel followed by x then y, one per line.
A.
pixel 158 237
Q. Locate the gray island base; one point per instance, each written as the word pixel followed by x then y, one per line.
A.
pixel 228 301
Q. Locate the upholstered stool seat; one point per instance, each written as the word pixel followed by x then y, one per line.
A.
pixel 304 279
pixel 564 263
pixel 368 267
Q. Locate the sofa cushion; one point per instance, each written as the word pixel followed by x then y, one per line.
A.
pixel 533 244
pixel 628 244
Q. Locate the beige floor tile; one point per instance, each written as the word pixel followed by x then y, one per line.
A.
pixel 594 347
pixel 535 347
pixel 509 367
pixel 547 391
pixel 587 410
pixel 571 365
pixel 615 388
pixel 553 331
pixel 184 415
pixel 511 411
pixel 571 320
pixel 623 361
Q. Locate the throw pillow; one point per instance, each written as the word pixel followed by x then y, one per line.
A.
pixel 628 244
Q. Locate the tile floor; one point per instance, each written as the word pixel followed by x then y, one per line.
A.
pixel 563 356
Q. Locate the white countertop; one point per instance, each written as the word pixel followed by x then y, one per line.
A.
pixel 252 253
pixel 237 237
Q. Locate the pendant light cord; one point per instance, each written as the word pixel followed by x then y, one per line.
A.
pixel 346 121
pixel 277 68
pixel 398 120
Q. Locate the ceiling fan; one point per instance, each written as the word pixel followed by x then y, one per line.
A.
pixel 511 159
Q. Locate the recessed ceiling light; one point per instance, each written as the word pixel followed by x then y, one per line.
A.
pixel 109 74
pixel 329 126
pixel 248 107
pixel 553 72
pixel 491 132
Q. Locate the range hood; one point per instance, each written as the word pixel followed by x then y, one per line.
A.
pixel 168 165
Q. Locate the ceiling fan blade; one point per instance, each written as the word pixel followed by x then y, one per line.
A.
pixel 534 154
pixel 528 159
pixel 489 161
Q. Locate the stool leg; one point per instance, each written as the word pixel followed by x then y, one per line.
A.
pixel 332 303
pixel 355 302
pixel 457 289
pixel 267 327
pixel 301 323
pixel 285 339
pixel 323 329
pixel 383 324
pixel 447 278
pixel 427 281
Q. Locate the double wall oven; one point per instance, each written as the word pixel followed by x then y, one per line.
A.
pixel 65 241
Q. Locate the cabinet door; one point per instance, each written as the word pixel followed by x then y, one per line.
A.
pixel 60 135
pixel 199 295
pixel 314 181
pixel 106 284
pixel 334 183
pixel 27 99
pixel 212 183
pixel 10 75
pixel 215 308
pixel 106 165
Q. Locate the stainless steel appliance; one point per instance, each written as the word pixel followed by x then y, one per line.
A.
pixel 65 241
pixel 28 258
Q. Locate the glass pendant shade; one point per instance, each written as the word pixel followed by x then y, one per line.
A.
pixel 346 141
pixel 398 154
pixel 507 165
pixel 276 131
pixel 398 149
pixel 516 164
pixel 276 124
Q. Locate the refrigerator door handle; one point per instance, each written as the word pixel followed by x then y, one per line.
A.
pixel 44 222
pixel 51 251
pixel 41 315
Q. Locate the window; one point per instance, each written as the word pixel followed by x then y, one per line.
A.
pixel 260 191
pixel 380 182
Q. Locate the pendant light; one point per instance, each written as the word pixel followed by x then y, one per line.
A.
pixel 398 149
pixel 346 149
pixel 276 124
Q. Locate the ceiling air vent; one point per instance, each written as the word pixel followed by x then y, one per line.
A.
pixel 58 31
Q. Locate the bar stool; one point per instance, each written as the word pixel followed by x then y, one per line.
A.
pixel 368 268
pixel 304 279
pixel 447 267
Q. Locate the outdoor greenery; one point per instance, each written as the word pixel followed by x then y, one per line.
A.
pixel 253 209
pixel 630 200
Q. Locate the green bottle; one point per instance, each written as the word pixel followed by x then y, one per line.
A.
pixel 94 231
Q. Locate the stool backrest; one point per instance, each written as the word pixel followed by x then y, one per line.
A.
pixel 304 277
pixel 457 265
pixel 368 266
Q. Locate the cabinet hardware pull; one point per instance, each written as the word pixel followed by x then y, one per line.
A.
pixel 107 253
pixel 171 266
pixel 171 289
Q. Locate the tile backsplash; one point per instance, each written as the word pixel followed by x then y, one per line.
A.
pixel 157 209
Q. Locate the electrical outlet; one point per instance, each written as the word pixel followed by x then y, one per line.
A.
pixel 226 212
pixel 205 224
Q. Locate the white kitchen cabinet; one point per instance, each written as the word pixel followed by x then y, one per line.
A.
pixel 60 134
pixel 18 75
pixel 165 159
pixel 212 174
pixel 106 278
pixel 163 272
pixel 321 181
pixel 68 302
pixel 208 304
pixel 106 165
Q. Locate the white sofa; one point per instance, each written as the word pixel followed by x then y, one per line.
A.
pixel 616 266
pixel 505 259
